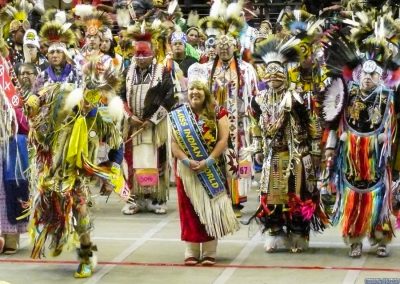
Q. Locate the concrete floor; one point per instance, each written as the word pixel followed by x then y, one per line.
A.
pixel 146 248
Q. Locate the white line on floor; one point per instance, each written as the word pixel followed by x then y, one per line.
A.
pixel 244 253
pixel 124 254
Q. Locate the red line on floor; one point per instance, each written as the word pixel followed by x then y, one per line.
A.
pixel 164 264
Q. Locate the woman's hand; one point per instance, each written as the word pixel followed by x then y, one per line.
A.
pixel 201 166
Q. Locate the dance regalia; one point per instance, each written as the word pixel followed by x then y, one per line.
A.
pixel 362 176
pixel 146 153
pixel 289 196
pixel 204 206
pixel 67 129
pixel 233 86
pixel 311 84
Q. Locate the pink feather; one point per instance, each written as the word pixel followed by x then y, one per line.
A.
pixel 307 210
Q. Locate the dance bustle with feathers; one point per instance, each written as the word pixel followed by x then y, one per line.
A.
pixel 334 99
pixel 341 56
pixel 297 21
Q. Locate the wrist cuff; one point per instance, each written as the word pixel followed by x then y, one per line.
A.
pixel 210 161
pixel 186 162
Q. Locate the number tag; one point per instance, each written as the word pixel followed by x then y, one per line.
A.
pixel 245 169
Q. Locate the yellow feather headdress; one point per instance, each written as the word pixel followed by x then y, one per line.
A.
pixel 15 15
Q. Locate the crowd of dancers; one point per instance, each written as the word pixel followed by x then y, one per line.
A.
pixel 132 96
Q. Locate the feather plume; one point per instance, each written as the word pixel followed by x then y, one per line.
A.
pixel 123 18
pixel 60 17
pixel 55 32
pixel 115 108
pixel 83 10
pixel 156 24
pixel 193 19
pixel 297 22
pixel 73 99
pixel 172 7
pixel 216 8
pixel 97 19
pixel 49 15
pixel 234 9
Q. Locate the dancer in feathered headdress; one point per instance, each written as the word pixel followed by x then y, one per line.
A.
pixel 56 39
pixel 289 196
pixel 14 22
pixel 233 82
pixel 362 134
pixel 151 83
pixel 68 123
pixel 308 75
pixel 97 25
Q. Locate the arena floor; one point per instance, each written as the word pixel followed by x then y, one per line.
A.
pixel 146 248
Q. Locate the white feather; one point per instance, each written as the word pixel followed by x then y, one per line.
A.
pixel 363 18
pixel 381 29
pixel 65 27
pixel 334 99
pixel 272 56
pixel 215 8
pixel 143 27
pixel 290 43
pixel 156 24
pixel 115 108
pixel 313 27
pixel 172 6
pixel 123 18
pixel 234 9
pixel 73 99
pixel 83 10
pixel 193 19
pixel 61 17
pixel 297 14
pixel 351 22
